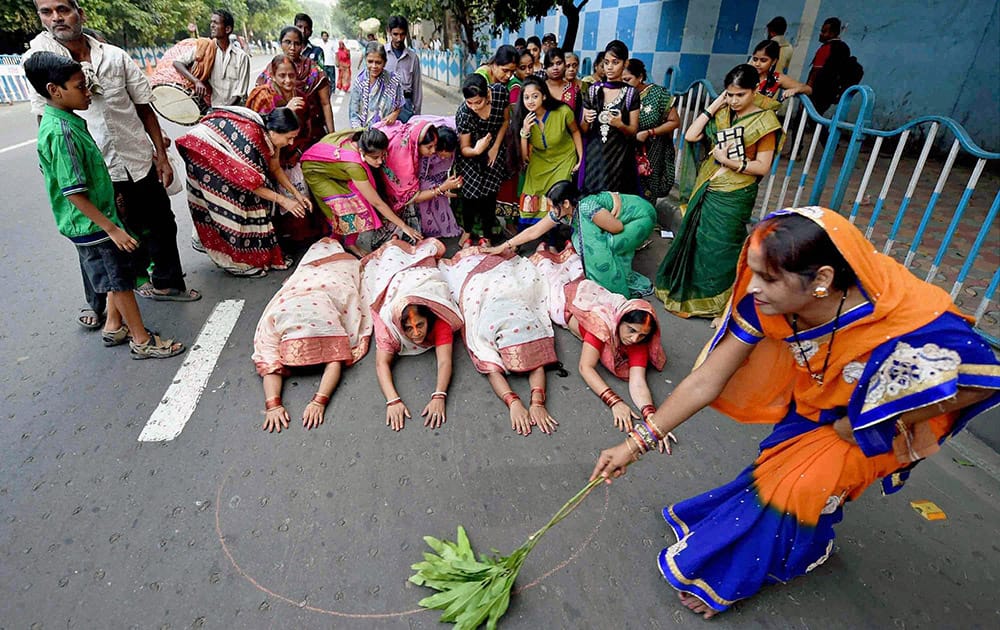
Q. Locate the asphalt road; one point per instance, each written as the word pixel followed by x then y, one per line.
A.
pixel 229 527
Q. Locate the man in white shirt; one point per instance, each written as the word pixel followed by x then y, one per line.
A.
pixel 329 58
pixel 776 29
pixel 127 131
pixel 229 81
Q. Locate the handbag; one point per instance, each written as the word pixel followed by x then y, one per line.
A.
pixel 642 161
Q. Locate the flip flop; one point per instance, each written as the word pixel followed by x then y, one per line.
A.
pixel 176 295
pixel 89 313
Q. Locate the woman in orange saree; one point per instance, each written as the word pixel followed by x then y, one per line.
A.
pixel 863 369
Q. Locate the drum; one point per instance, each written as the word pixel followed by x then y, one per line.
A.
pixel 173 95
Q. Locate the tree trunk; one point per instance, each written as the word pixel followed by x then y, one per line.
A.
pixel 572 13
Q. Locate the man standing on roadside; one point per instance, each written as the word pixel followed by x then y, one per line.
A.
pixel 776 30
pixel 404 63
pixel 830 58
pixel 305 24
pixel 329 58
pixel 229 79
pixel 128 133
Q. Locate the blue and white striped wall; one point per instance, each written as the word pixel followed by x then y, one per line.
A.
pixel 927 57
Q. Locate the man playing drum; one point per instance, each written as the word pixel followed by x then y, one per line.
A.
pixel 229 80
pixel 127 131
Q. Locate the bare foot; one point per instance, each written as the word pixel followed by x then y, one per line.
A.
pixel 716 322
pixel 695 605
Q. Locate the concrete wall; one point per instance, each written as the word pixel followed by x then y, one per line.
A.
pixel 921 57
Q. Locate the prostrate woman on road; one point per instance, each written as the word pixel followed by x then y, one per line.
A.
pixel 622 335
pixel 863 369
pixel 413 312
pixel 507 330
pixel 316 318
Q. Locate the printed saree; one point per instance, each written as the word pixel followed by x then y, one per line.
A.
pixel 397 275
pixel 317 315
pixel 654 106
pixel 503 302
pixel 696 275
pixel 331 167
pixel 905 348
pixel 227 155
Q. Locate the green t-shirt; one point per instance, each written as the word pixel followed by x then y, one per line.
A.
pixel 72 164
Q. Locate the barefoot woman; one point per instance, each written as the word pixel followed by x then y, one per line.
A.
pixel 863 369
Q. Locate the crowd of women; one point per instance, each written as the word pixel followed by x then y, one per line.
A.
pixel 863 369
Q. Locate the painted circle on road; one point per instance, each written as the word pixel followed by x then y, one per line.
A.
pixel 386 615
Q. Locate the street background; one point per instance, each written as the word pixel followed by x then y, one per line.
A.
pixel 227 526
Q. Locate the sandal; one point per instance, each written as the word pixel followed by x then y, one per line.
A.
pixel 252 272
pixel 97 321
pixel 176 295
pixel 113 338
pixel 155 348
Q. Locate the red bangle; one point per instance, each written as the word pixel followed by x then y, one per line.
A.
pixel 272 403
pixel 541 395
pixel 647 410
pixel 509 398
pixel 320 399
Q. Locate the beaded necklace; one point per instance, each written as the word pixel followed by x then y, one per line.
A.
pixel 818 377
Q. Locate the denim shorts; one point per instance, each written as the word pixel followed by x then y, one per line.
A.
pixel 107 267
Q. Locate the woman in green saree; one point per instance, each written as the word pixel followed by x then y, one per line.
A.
pixel 696 275
pixel 607 227
pixel 657 120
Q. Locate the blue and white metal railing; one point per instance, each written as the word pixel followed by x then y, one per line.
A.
pixel 448 66
pixel 811 175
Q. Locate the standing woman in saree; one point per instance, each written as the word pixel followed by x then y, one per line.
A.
pixel 622 335
pixel 863 369
pixel 607 229
pixel 412 311
pixel 316 318
pixel 339 171
pixel 609 122
pixel 376 94
pixel 311 83
pixel 696 276
pixel 232 156
pixel 560 87
pixel 657 121
pixel 343 67
pixel 550 145
pixel 503 300
pixel 280 89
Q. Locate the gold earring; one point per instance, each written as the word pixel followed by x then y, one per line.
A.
pixel 821 292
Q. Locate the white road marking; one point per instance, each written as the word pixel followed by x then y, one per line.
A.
pixel 18 145
pixel 181 398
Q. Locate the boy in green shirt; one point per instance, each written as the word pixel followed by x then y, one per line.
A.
pixel 83 202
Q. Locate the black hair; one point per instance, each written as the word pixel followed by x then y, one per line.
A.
pixel 44 67
pixel 834 24
pixel 796 244
pixel 419 309
pixel 641 317
pixel 397 21
pixel 227 17
pixel 377 48
pixel 289 29
pixel 564 191
pixel 742 76
pixel 636 68
pixel 778 25
pixel 430 136
pixel 773 51
pixel 598 59
pixel 447 139
pixel 533 40
pixel 521 55
pixel 303 17
pixel 549 102
pixel 279 59
pixel 475 85
pixel 505 55
pixel 281 120
pixel 549 37
pixel 371 140
pixel 520 43
pixel 322 33
pixel 551 55
pixel 617 48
